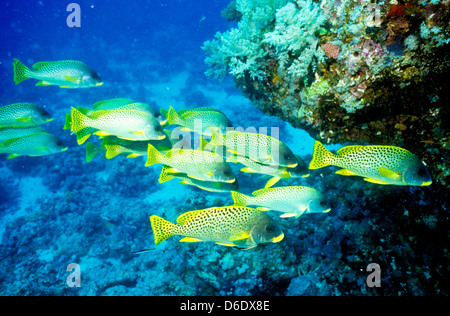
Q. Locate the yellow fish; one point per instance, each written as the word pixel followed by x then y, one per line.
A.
pixel 291 200
pixel 126 124
pixel 14 132
pixel 127 104
pixel 38 144
pixel 212 186
pixel 259 147
pixel 241 227
pixel 377 164
pixel 199 120
pixel 23 114
pixel 64 73
pixel 197 164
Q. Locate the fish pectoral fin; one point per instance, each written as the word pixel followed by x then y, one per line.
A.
pixel 285 215
pixel 240 237
pixel 389 173
pixel 138 133
pixel 346 172
pixel 24 119
pixel 72 79
pixel 375 181
pixel 226 244
pixel 41 149
pixel 272 181
pixel 190 239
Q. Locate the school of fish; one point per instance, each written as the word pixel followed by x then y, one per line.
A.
pixel 134 129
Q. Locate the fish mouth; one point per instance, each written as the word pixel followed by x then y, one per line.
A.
pixel 162 122
pixel 278 239
pixel 98 84
pixel 293 165
pixel 426 183
pixel 326 211
pixel 65 148
pixel 161 137
pixel 230 181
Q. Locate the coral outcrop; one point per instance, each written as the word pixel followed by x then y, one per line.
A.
pixel 345 71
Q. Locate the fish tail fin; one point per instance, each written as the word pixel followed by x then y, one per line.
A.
pixel 79 126
pixel 153 156
pixel 92 151
pixel 21 72
pixel 321 157
pixel 162 229
pixel 112 150
pixel 239 198
pixel 173 117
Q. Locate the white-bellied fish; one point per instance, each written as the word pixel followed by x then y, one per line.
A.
pixel 38 144
pixel 232 226
pixel 199 120
pixel 64 73
pixel 377 164
pixel 212 186
pixel 197 164
pixel 126 124
pixel 128 104
pixel 259 147
pixel 23 114
pixel 291 200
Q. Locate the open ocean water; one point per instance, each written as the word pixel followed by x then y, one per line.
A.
pixel 71 227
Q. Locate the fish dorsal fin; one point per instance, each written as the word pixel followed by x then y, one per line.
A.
pixel 112 103
pixel 389 173
pixel 348 149
pixel 39 65
pixel 244 235
pixel 186 217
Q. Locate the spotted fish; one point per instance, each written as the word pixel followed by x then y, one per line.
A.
pixel 377 164
pixel 291 200
pixel 241 227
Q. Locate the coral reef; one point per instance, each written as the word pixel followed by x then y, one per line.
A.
pixel 345 71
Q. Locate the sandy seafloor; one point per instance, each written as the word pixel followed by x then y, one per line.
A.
pixel 56 210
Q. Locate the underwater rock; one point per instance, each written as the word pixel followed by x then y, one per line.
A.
pixel 357 72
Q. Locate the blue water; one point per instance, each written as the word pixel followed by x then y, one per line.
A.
pixel 57 210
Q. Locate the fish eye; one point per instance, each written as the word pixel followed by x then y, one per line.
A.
pixel 323 203
pixel 157 128
pixel 287 157
pixel 270 228
pixel 227 173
